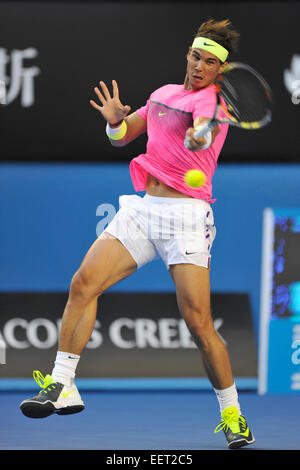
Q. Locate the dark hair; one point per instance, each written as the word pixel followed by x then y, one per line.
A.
pixel 221 32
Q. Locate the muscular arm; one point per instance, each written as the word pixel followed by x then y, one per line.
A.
pixel 197 144
pixel 114 111
pixel 135 127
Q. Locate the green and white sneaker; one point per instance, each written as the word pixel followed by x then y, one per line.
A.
pixel 53 398
pixel 235 428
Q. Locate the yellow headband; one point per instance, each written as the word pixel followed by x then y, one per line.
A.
pixel 211 46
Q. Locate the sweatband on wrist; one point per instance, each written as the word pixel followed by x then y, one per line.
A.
pixel 207 136
pixel 211 46
pixel 116 133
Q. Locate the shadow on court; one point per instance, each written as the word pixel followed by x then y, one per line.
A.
pixel 150 420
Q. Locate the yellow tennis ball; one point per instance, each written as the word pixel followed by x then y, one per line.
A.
pixel 194 178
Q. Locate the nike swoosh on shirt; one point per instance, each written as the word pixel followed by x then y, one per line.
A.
pixel 161 114
pixel 191 252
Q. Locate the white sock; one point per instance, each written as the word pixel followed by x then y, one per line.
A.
pixel 65 367
pixel 228 397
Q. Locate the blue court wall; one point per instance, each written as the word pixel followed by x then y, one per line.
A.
pixel 51 213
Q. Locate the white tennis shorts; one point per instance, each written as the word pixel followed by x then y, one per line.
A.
pixel 178 230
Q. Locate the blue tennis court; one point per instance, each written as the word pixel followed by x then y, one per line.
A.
pixel 168 420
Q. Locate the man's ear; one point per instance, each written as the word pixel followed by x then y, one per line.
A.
pixel 223 66
pixel 188 53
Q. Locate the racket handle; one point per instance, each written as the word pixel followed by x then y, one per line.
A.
pixel 187 141
pixel 200 131
pixel 203 129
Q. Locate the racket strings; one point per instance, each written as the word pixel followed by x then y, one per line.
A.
pixel 246 95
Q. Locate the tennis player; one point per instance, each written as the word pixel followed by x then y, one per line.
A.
pixel 173 221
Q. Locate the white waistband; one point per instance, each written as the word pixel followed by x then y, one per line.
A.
pixel 174 200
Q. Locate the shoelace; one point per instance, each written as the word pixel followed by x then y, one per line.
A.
pixel 43 382
pixel 229 421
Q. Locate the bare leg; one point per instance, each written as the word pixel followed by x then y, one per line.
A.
pixel 82 332
pixel 193 297
pixel 106 263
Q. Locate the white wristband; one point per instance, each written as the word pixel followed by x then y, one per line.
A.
pixel 208 139
pixel 112 130
pixel 207 136
pixel 116 133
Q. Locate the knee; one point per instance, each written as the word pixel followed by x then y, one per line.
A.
pixel 83 286
pixel 202 329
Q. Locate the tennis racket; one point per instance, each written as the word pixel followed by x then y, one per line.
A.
pixel 248 100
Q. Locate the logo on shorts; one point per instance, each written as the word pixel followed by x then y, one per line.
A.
pixel 191 252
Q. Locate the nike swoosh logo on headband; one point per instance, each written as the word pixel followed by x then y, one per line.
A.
pixel 212 45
